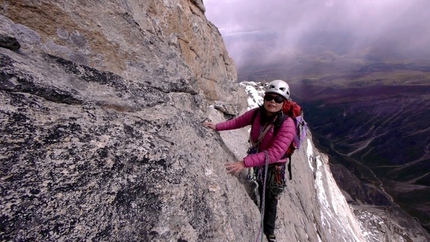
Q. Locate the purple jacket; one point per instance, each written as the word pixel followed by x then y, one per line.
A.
pixel 276 145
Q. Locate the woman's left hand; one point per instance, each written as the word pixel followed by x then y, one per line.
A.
pixel 235 167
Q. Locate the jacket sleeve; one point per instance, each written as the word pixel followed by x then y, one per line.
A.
pixel 276 145
pixel 238 122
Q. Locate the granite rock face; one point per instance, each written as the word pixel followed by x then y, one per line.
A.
pixel 100 119
pixel 101 112
pixel 149 42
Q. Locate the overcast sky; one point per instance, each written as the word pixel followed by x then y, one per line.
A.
pixel 396 25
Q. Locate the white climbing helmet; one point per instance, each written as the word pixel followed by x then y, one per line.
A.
pixel 279 87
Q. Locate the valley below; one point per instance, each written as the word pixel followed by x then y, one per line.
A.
pixel 383 139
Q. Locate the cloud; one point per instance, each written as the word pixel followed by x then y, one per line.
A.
pixel 383 28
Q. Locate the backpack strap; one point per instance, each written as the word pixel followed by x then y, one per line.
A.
pixel 263 133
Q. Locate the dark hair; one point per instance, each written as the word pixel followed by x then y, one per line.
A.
pixel 280 117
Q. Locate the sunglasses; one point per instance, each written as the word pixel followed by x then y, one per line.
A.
pixel 278 99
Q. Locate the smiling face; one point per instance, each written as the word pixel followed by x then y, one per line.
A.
pixel 273 102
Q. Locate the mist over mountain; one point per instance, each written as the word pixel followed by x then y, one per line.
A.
pixel 355 29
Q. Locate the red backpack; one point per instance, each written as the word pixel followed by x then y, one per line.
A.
pixel 294 111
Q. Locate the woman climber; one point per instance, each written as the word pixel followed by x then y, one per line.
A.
pixel 271 134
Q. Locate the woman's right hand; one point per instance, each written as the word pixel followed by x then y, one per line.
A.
pixel 235 167
pixel 209 125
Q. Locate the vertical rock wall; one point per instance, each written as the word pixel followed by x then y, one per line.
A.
pixel 101 112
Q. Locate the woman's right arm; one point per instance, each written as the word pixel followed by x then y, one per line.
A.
pixel 238 122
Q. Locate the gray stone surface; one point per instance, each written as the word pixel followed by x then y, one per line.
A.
pixel 100 119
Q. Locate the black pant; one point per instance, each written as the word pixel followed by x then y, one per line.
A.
pixel 270 208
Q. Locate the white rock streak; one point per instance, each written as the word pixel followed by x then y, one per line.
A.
pixel 335 209
pixel 255 94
